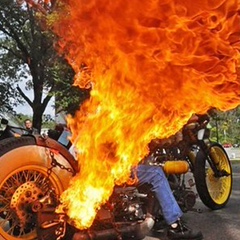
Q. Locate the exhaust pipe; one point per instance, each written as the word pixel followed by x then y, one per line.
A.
pixel 133 231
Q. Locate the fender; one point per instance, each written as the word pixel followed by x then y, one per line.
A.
pixel 45 141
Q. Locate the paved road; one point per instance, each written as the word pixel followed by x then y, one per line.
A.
pixel 233 153
pixel 223 224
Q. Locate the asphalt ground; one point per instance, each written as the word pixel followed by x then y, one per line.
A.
pixel 233 153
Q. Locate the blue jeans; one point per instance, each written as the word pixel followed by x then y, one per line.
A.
pixel 156 177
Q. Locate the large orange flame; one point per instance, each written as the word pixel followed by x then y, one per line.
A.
pixel 151 65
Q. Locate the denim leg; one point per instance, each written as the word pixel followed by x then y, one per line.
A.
pixel 155 176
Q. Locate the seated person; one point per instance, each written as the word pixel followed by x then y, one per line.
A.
pixel 156 178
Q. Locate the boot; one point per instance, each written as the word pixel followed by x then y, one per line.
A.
pixel 181 231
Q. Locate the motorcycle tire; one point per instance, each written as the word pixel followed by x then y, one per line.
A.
pixel 213 191
pixel 26 176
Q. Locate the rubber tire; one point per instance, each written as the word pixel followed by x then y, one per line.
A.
pixel 18 154
pixel 202 178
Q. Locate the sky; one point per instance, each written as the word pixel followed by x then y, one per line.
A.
pixel 26 109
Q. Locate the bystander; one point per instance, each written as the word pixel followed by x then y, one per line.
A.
pixel 29 127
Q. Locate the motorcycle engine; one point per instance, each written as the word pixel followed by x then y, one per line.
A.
pixel 126 204
pixel 185 196
pixel 186 199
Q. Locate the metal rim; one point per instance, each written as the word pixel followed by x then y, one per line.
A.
pixel 18 192
pixel 219 188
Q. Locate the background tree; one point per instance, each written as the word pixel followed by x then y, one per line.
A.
pixel 68 97
pixel 226 126
pixel 28 56
pixel 7 97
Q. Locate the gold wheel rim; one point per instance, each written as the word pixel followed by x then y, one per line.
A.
pixel 219 188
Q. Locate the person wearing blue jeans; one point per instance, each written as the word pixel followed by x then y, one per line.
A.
pixel 156 178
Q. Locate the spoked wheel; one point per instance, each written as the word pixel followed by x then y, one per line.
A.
pixel 214 191
pixel 24 181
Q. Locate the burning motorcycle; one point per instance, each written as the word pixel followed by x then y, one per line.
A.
pixel 36 169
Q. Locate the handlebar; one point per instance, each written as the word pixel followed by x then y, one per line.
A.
pixel 197 121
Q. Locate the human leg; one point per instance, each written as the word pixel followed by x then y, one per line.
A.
pixel 160 186
pixel 171 211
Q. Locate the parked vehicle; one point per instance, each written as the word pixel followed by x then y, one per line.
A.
pixel 227 145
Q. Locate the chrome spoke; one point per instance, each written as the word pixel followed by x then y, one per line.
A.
pixel 4 208
pixel 11 229
pixel 5 200
pixel 3 222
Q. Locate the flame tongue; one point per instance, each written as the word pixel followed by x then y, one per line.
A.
pixel 152 64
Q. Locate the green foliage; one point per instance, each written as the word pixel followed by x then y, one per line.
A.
pixel 6 97
pixel 48 121
pixel 69 97
pixel 226 126
pixel 28 56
